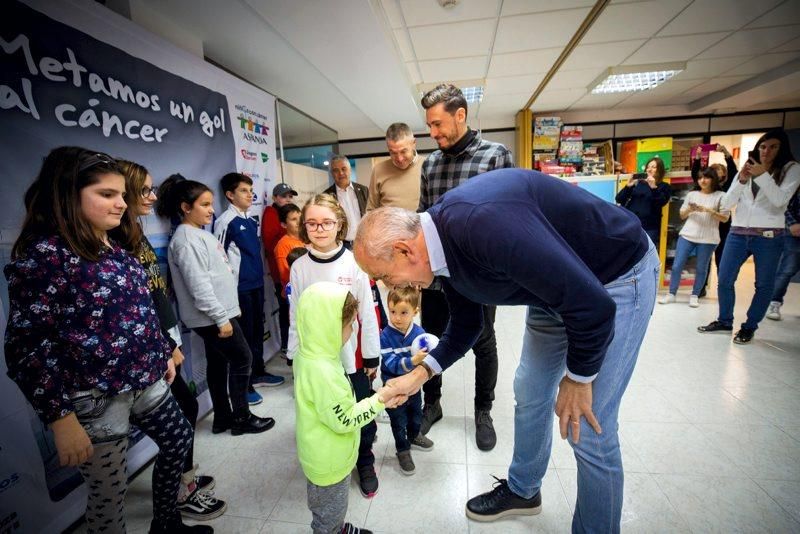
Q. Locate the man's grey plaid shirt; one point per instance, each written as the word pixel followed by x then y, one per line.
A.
pixel 442 172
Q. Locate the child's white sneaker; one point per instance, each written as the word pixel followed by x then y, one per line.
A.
pixel 694 301
pixel 666 299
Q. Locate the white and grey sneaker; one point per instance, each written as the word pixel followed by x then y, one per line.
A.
pixel 201 506
pixel 667 298
pixel 774 310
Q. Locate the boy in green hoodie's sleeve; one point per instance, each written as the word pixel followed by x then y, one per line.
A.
pixel 328 416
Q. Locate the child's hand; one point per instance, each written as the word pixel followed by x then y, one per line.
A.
pixel 177 356
pixel 419 356
pixel 391 397
pixel 371 372
pixel 226 330
pixel 72 442
pixel 169 376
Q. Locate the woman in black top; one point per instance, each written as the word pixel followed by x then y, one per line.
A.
pixel 646 196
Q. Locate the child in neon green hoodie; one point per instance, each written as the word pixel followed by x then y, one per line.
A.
pixel 328 416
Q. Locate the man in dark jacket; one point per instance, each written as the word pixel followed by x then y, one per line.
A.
pixel 351 195
pixel 588 274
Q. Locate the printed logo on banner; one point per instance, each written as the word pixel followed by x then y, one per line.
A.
pixel 250 156
pixel 264 157
pixel 253 125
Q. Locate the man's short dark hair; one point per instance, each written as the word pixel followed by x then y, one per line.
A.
pixel 231 181
pixel 285 210
pixel 447 94
pixel 397 131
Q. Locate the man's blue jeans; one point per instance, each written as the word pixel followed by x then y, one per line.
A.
pixel 542 366
pixel 682 251
pixel 765 251
pixel 787 267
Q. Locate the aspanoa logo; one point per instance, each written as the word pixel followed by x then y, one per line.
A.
pixel 251 156
pixel 250 125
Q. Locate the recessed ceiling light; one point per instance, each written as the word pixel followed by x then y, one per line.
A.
pixel 473 94
pixel 633 78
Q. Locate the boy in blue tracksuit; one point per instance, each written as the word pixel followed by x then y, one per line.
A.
pixel 238 233
pixel 396 360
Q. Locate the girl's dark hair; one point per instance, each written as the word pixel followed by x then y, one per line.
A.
pixel 135 177
pixel 53 203
pixel 783 157
pixel 660 170
pixel 711 173
pixel 175 191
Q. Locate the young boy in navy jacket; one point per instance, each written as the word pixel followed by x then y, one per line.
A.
pixel 396 360
pixel 238 233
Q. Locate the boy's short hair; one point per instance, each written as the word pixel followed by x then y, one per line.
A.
pixel 231 181
pixel 409 295
pixel 285 210
pixel 349 310
pixel 295 254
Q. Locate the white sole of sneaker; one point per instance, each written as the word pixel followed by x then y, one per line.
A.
pixel 408 473
pixel 423 449
pixel 204 517
pixel 495 517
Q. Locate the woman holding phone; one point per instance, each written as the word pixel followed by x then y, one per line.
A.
pixel 645 195
pixel 759 193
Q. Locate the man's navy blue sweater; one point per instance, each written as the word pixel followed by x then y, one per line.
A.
pixel 520 237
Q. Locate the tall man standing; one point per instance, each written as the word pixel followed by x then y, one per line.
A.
pixel 462 154
pixel 351 195
pixel 395 182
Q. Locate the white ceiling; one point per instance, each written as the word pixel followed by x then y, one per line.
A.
pixel 356 65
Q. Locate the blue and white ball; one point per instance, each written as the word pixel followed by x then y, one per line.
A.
pixel 424 341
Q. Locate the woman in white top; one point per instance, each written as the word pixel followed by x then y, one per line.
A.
pixel 759 194
pixel 702 212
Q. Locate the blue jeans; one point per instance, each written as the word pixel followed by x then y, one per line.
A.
pixel 406 420
pixel 682 251
pixel 787 267
pixel 542 366
pixel 766 252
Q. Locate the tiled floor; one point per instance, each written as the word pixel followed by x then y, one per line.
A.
pixel 710 437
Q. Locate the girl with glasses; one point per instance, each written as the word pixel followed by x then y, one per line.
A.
pixel 193 500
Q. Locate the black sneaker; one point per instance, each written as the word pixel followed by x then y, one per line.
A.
pixel 367 481
pixel 744 336
pixel 502 502
pixel 407 466
pixel 348 528
pixel 201 506
pixel 715 326
pixel 430 414
pixel 176 526
pixel 485 436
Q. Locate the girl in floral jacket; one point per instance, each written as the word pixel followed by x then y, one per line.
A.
pixel 83 342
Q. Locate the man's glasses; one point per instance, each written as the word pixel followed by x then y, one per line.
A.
pixel 147 191
pixel 325 225
pixel 96 159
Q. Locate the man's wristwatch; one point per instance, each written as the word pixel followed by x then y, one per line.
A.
pixel 428 370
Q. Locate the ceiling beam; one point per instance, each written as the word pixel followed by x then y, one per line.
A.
pixel 576 39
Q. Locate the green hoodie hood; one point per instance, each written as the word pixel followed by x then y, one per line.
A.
pixel 328 419
pixel 319 320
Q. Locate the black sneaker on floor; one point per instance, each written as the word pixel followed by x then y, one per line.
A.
pixel 502 502
pixel 485 436
pixel 348 528
pixel 204 482
pixel 430 414
pixel 201 506
pixel 715 326
pixel 744 336
pixel 367 481
pixel 177 527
